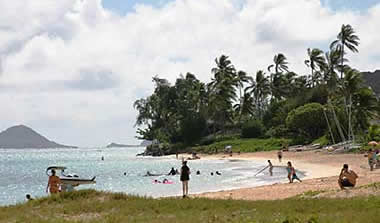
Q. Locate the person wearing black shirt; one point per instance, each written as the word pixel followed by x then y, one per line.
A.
pixel 185 177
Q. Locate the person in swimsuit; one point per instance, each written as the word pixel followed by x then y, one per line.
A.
pixel 371 160
pixel 29 198
pixel 279 155
pixel 347 178
pixel 270 167
pixel 53 183
pixel 172 172
pixel 292 173
pixel 185 177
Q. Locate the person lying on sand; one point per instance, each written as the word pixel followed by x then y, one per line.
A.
pixel 347 178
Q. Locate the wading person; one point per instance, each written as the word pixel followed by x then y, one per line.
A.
pixel 371 159
pixel 292 175
pixel 185 177
pixel 53 183
pixel 270 167
pixel 347 178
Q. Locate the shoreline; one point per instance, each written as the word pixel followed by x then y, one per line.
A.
pixel 321 174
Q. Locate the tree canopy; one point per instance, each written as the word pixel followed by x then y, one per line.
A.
pixel 279 103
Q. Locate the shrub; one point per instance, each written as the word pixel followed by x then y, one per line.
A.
pixel 252 129
pixel 277 132
pixel 307 121
pixel 373 133
pixel 192 129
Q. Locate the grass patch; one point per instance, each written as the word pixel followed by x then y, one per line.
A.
pixel 93 206
pixel 245 145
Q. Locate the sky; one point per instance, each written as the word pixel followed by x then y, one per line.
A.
pixel 72 69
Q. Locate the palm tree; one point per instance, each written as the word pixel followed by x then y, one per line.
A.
pixel 259 89
pixel 345 38
pixel 315 60
pixel 350 85
pixel 246 107
pixel 222 90
pixel 333 61
pixel 280 65
pixel 241 78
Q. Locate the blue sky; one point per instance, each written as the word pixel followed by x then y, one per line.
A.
pixel 125 6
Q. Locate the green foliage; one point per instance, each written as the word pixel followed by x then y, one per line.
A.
pixel 118 207
pixel 193 128
pixel 245 145
pixel 252 129
pixel 192 112
pixel 307 122
pixel 323 141
pixel 374 133
pixel 277 131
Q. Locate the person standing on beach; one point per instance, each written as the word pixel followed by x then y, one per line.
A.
pixel 371 160
pixel 347 178
pixel 185 177
pixel 279 155
pixel 292 175
pixel 270 167
pixel 53 183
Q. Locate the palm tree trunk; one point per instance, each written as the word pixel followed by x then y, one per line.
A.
pixel 328 124
pixel 342 62
pixel 350 119
pixel 312 77
pixel 337 123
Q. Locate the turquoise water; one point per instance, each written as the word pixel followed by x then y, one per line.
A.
pixel 22 171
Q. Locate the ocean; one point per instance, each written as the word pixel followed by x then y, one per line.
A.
pixel 23 171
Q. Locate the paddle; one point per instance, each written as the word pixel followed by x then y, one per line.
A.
pixel 261 170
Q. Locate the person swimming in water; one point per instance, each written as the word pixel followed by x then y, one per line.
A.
pixel 29 198
pixel 172 172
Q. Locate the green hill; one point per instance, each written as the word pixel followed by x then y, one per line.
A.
pixel 372 79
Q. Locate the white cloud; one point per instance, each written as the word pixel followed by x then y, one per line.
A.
pixel 72 69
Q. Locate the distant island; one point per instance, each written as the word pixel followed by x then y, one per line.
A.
pixel 116 145
pixel 22 137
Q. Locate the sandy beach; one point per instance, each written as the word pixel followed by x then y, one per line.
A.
pixel 322 170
